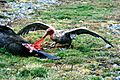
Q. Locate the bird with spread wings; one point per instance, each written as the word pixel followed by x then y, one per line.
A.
pixel 58 36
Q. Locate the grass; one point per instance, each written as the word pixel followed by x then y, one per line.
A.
pixel 88 60
pixel 76 12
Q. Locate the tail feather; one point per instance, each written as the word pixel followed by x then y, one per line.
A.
pixel 45 55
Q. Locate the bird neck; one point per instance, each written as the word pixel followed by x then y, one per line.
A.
pixel 51 35
pixel 51 32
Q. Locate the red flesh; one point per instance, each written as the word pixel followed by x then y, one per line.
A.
pixel 37 44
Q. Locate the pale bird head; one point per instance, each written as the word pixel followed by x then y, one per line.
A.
pixel 49 31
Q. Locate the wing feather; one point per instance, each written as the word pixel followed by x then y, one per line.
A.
pixel 79 31
pixel 33 27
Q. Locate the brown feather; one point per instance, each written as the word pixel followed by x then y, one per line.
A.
pixel 33 27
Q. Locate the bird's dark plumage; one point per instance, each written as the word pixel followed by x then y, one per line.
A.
pixel 61 37
pixel 33 27
pixel 86 31
pixel 13 43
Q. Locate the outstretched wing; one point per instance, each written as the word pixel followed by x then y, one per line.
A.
pixel 86 31
pixel 33 27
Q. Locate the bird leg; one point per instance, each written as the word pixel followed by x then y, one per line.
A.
pixel 69 45
pixel 59 46
pixel 56 45
pixel 64 46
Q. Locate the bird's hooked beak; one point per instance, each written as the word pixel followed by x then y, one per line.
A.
pixel 44 36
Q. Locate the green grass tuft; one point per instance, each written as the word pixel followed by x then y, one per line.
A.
pixel 34 72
